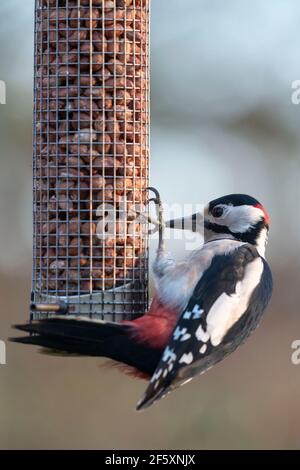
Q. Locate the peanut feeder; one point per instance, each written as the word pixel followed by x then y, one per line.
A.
pixel 91 155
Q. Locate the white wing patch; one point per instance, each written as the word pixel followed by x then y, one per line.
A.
pixel 186 359
pixel 186 337
pixel 156 376
pixel 181 334
pixel 228 309
pixel 195 314
pixel 169 355
pixel 201 335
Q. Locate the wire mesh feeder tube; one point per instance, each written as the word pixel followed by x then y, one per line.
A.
pixel 91 154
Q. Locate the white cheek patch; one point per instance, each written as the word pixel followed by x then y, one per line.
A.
pixel 228 309
pixel 240 219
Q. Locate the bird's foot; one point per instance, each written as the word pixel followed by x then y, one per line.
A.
pixel 160 224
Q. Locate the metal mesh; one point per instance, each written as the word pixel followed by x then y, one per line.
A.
pixel 91 149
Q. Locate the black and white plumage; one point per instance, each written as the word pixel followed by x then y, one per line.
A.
pixel 226 306
pixel 203 309
pixel 229 287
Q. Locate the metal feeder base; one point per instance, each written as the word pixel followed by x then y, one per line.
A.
pixel 112 305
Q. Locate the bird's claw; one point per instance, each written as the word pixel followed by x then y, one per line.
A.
pixel 159 225
pixel 158 205
pixel 157 198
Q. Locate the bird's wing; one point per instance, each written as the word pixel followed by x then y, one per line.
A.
pixel 204 332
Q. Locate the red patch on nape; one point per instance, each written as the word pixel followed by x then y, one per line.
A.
pixel 266 215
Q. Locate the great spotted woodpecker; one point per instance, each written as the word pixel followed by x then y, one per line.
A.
pixel 203 309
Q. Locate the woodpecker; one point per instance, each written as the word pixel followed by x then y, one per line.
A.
pixel 204 307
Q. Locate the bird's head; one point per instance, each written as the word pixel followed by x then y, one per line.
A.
pixel 236 216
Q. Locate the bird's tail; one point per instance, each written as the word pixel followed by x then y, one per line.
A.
pixel 89 337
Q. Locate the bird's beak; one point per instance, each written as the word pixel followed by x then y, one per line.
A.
pixel 193 223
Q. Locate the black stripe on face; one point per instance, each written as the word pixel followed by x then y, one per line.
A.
pixel 250 236
pixel 216 228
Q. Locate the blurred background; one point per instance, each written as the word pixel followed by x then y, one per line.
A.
pixel 222 122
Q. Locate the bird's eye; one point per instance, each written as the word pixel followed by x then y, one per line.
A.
pixel 217 212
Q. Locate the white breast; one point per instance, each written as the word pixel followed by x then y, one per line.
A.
pixel 176 287
pixel 228 309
